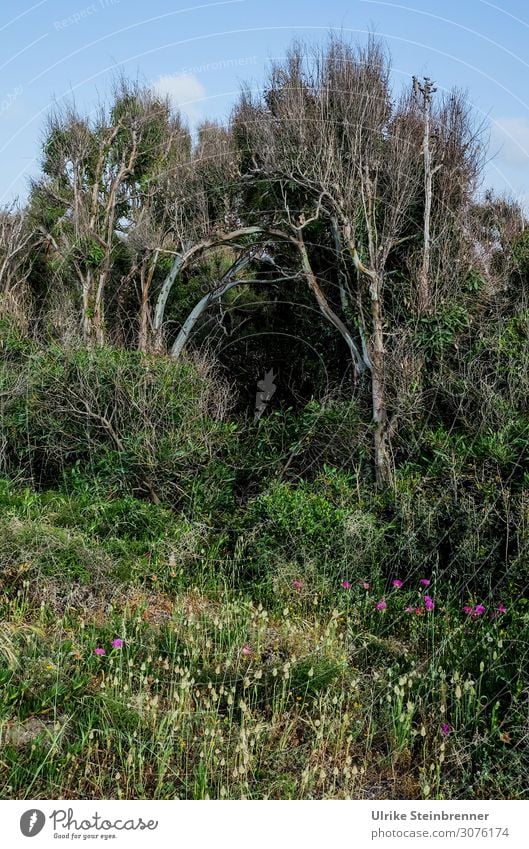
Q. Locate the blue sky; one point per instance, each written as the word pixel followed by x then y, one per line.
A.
pixel 199 52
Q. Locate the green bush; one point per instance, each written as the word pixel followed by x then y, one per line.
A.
pixel 142 425
pixel 31 550
pixel 316 532
pixel 520 252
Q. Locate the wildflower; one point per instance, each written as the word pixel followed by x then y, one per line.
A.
pixel 419 611
pixel 500 609
pixel 100 652
pixel 365 585
pixel 476 611
pixel 117 643
pixel 297 585
pixel 382 604
pixel 425 582
pixel 445 729
pixel 346 585
pixel 409 610
pixel 397 583
pixel 428 602
pixel 247 650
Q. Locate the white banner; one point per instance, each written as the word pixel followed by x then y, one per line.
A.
pixel 270 825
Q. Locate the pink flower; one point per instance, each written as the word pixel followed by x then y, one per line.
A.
pixel 428 602
pixel 397 583
pixel 382 604
pixel 297 585
pixel 445 729
pixel 117 643
pixel 501 608
pixel 425 582
pixel 346 585
pixel 365 585
pixel 247 650
pixel 476 611
pixel 99 652
pixel 419 611
pixel 409 610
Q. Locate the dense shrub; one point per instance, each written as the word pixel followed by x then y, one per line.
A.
pixel 140 424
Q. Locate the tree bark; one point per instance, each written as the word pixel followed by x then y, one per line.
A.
pixel 358 362
pixel 383 462
pixel 87 308
pixel 425 91
pixel 146 277
pixel 424 274
pixel 377 357
pixel 180 262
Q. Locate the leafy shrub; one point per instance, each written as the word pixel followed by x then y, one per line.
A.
pixel 30 550
pixel 439 332
pixel 312 531
pixel 141 425
pixel 520 252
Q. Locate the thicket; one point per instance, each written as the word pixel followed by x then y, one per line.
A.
pixel 330 245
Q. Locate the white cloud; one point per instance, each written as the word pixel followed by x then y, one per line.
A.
pixel 510 141
pixel 185 93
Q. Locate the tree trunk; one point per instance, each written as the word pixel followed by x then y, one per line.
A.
pixel 377 359
pixel 85 311
pixel 181 261
pixel 227 282
pixel 424 274
pixel 383 460
pixel 425 92
pixel 196 313
pixel 143 335
pixel 99 310
pixel 92 312
pixel 147 271
pixel 359 365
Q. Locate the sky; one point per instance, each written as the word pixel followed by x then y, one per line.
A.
pixel 199 53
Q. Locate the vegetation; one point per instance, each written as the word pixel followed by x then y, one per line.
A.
pixel 264 488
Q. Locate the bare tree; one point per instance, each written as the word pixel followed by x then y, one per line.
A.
pixel 424 94
pixel 330 145
pixel 154 228
pixel 201 200
pixel 17 237
pixel 97 176
pixel 325 177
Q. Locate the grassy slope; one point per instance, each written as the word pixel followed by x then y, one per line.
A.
pixel 316 693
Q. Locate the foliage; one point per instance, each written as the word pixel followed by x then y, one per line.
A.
pixel 207 590
pixel 141 425
pixel 203 693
